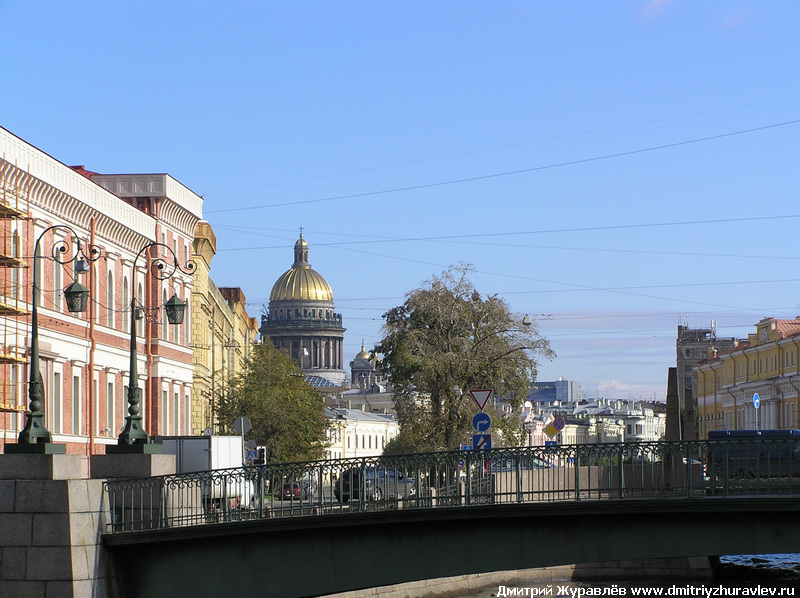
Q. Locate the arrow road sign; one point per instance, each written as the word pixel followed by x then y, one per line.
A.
pixel 481 422
pixel 756 401
pixel 481 396
pixel 482 442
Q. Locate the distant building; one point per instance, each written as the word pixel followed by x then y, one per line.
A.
pixel 767 364
pixel 596 421
pixel 356 433
pixel 559 392
pixel 302 322
pixel 692 347
pixel 222 334
pixel 621 420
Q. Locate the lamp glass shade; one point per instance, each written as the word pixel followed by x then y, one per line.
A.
pixel 77 297
pixel 175 309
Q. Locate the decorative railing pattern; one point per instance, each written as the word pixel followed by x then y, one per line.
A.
pixel 653 470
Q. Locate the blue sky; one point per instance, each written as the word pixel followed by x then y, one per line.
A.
pixel 614 169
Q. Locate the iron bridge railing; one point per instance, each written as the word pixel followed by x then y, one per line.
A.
pixel 655 470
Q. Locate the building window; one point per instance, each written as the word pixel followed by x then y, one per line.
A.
pixel 164 323
pixel 13 293
pixel 56 425
pixel 187 414
pixel 187 324
pixel 176 416
pixel 140 321
pixel 96 404
pixel 76 405
pixel 126 315
pixel 110 409
pixel 56 286
pixel 13 397
pixel 164 412
pixel 110 300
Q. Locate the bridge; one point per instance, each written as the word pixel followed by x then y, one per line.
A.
pixel 309 529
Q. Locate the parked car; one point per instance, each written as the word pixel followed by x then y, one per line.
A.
pixel 298 490
pixel 379 483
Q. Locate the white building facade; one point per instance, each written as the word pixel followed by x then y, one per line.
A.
pixel 354 433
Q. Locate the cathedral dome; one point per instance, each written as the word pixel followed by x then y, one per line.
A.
pixel 301 282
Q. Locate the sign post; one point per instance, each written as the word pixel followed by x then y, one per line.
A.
pixel 242 425
pixel 756 405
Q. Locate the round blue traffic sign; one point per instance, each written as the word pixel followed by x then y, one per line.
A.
pixel 481 422
pixel 756 400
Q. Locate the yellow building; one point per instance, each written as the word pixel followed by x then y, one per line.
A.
pixel 767 365
pixel 222 334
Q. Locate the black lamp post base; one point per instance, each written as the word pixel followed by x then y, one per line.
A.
pixel 35 448
pixel 136 448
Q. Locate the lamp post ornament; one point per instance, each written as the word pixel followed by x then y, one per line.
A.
pixel 34 437
pixel 163 266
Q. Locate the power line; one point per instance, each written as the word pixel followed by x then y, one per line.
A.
pixel 455 238
pixel 502 147
pixel 511 172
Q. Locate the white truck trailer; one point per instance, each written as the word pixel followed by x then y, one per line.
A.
pixel 222 491
pixel 203 453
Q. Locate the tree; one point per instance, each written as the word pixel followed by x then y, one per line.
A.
pixel 286 414
pixel 445 335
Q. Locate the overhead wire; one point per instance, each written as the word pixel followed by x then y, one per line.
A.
pixel 510 172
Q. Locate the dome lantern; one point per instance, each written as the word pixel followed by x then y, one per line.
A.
pixel 301 282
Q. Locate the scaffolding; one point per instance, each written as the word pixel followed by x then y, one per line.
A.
pixel 14 309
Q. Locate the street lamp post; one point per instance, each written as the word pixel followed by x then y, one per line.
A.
pixel 134 438
pixel 35 438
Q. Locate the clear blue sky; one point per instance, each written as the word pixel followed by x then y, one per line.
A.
pixel 613 168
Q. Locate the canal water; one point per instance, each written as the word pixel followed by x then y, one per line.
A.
pixel 763 575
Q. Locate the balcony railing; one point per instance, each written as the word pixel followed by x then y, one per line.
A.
pixel 651 470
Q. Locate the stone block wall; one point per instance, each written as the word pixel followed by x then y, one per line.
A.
pixel 50 526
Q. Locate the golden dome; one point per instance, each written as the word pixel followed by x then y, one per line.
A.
pixel 301 282
pixel 363 354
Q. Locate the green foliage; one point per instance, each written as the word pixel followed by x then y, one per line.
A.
pixel 287 415
pixel 446 335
